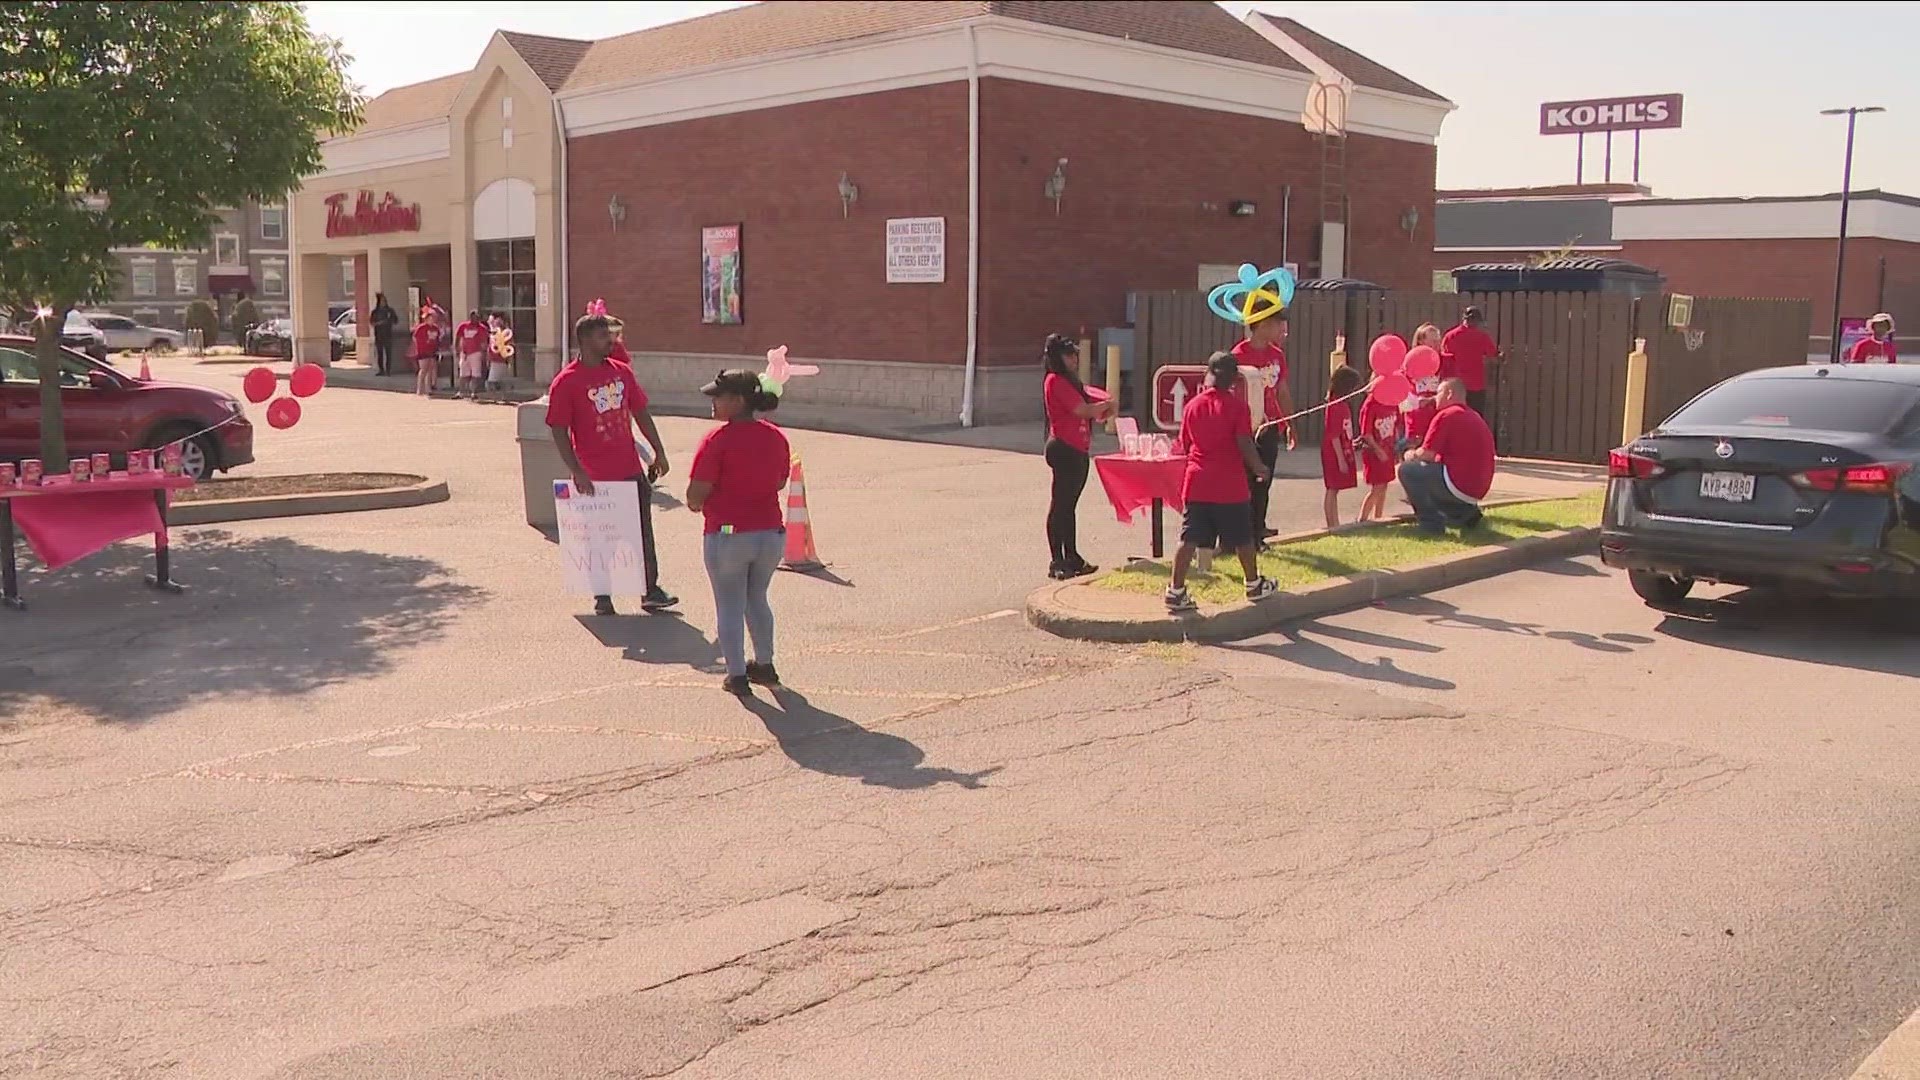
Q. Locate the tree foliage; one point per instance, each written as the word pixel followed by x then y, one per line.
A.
pixel 201 316
pixel 245 316
pixel 131 124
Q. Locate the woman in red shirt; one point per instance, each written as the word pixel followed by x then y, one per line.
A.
pixel 737 475
pixel 1072 407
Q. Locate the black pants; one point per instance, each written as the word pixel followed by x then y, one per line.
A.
pixel 1069 480
pixel 1477 401
pixel 650 561
pixel 1267 443
pixel 383 352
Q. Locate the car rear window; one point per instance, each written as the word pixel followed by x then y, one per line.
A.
pixel 1851 405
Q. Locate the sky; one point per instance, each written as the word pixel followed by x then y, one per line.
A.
pixel 1755 77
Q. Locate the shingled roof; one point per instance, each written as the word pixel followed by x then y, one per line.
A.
pixel 781 26
pixel 1362 71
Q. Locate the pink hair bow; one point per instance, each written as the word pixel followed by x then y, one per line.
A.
pixel 597 306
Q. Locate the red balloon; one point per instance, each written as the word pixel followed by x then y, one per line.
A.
pixel 307 380
pixel 259 384
pixel 1389 389
pixel 285 412
pixel 1422 362
pixel 1386 354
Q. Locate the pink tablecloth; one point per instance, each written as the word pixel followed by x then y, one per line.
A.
pixel 1132 484
pixel 65 523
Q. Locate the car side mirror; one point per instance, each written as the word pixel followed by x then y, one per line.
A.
pixel 100 380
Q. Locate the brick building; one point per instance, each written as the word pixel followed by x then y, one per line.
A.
pixel 1768 246
pixel 248 257
pixel 731 183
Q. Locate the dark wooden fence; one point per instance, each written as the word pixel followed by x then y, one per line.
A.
pixel 1561 391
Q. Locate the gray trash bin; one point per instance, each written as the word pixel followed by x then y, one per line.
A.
pixel 540 463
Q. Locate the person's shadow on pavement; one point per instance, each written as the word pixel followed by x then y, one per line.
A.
pixel 660 638
pixel 829 743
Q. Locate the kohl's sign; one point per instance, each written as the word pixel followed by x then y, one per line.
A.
pixel 1610 114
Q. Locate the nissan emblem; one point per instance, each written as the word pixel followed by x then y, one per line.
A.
pixel 1723 449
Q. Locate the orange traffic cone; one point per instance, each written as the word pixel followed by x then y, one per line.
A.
pixel 146 373
pixel 800 554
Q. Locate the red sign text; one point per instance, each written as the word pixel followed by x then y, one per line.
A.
pixel 367 217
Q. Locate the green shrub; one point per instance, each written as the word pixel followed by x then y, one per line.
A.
pixel 244 318
pixel 201 316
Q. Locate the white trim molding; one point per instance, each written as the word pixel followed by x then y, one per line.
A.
pixel 1009 49
pixel 1765 219
pixel 430 140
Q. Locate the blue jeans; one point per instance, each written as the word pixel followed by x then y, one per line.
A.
pixel 741 566
pixel 1434 503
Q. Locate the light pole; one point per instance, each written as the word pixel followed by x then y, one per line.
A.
pixel 1846 189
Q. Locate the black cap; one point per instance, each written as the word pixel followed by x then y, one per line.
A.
pixel 1223 366
pixel 733 381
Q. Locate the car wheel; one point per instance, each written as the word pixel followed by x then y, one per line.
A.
pixel 336 350
pixel 1657 589
pixel 160 345
pixel 198 456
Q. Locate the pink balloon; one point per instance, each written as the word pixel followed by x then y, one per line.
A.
pixel 307 380
pixel 1391 390
pixel 259 384
pixel 1386 354
pixel 1422 362
pixel 283 413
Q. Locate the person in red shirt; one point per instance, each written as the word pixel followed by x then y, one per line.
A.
pixel 1265 348
pixel 592 407
pixel 1877 347
pixel 1465 352
pixel 470 347
pixel 736 479
pixel 1216 433
pixel 1072 407
pixel 1379 436
pixel 426 354
pixel 1339 467
pixel 1447 475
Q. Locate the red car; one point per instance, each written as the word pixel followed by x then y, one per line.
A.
pixel 111 413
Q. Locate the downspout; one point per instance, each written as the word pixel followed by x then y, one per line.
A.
pixel 563 319
pixel 973 227
pixel 1286 220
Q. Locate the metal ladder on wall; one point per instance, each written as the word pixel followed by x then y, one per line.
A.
pixel 1333 175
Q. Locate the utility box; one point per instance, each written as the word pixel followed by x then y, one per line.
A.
pixel 540 463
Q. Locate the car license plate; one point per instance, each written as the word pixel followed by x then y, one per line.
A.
pixel 1726 486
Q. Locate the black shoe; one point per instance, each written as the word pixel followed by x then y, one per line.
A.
pixel 658 600
pixel 1082 569
pixel 603 605
pixel 738 686
pixel 1472 522
pixel 763 674
pixel 1057 572
pixel 1269 533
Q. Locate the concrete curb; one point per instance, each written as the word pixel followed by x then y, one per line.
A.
pixel 215 511
pixel 1062 608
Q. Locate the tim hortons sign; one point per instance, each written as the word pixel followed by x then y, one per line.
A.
pixel 1610 114
pixel 388 215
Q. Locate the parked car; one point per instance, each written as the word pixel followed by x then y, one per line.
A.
pixel 107 412
pixel 122 333
pixel 344 331
pixel 1800 478
pixel 79 333
pixel 275 338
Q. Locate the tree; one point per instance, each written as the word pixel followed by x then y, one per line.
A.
pixel 245 317
pixel 123 125
pixel 201 316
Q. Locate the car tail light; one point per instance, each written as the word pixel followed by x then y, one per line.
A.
pixel 1876 479
pixel 1632 466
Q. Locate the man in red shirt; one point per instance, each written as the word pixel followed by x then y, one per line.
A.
pixel 1264 348
pixel 1877 347
pixel 592 407
pixel 1447 475
pixel 1216 431
pixel 1465 352
pixel 470 351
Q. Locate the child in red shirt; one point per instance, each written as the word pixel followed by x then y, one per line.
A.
pixel 1379 437
pixel 1216 432
pixel 1338 467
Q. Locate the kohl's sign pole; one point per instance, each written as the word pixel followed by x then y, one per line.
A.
pixel 1650 112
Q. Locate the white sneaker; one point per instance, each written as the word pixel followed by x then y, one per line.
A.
pixel 1261 587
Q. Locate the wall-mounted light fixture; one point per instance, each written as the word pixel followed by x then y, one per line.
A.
pixel 616 212
pixel 1241 208
pixel 1410 220
pixel 1057 184
pixel 849 194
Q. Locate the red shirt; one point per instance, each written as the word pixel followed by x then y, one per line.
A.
pixel 1210 430
pixel 426 340
pixel 1867 350
pixel 1382 422
pixel 1464 444
pixel 1247 354
pixel 1464 352
pixel 747 463
pixel 597 405
pixel 1061 400
pixel 472 337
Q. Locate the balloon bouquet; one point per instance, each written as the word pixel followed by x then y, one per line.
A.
pixel 260 384
pixel 1396 368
